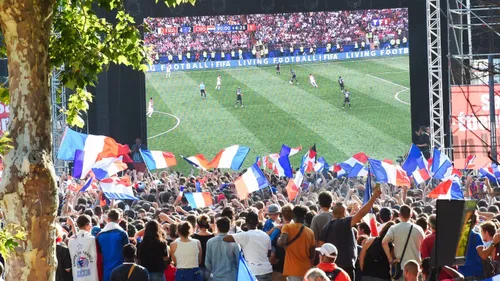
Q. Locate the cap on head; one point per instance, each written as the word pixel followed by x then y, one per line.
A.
pixel 328 250
pixel 273 209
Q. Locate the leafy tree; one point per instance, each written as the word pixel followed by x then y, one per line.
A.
pixel 39 35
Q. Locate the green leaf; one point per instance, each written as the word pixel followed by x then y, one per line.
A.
pixel 4 95
pixel 122 60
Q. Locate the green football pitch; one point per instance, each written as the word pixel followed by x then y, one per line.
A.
pixel 277 113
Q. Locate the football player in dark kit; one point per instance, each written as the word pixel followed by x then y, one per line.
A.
pixel 294 77
pixel 278 69
pixel 347 98
pixel 341 83
pixel 238 98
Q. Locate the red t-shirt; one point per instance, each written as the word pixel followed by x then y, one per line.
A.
pixel 427 244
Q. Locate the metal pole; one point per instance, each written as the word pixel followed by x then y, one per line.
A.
pixel 493 125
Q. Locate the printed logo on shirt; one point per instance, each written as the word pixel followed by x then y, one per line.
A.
pixel 81 261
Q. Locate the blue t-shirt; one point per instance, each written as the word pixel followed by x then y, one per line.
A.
pixel 473 264
pixel 268 225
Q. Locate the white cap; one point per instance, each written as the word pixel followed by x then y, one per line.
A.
pixel 328 250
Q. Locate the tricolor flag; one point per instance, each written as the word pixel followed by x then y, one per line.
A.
pixel 244 272
pixel 416 165
pixel 117 188
pixel 354 166
pixel 469 162
pixel 88 148
pixel 441 165
pixel 385 172
pixel 105 168
pixel 282 161
pixel 252 180
pixel 448 189
pixel 156 160
pixel 295 150
pixel 292 188
pixel 309 160
pixel 230 158
pixel 199 200
pixel 485 173
pixel 320 165
pixel 89 183
pixel 495 169
pixel 370 217
pixel 198 161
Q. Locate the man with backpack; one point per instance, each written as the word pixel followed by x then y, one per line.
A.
pixel 328 255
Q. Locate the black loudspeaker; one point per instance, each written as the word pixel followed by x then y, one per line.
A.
pixel 455 220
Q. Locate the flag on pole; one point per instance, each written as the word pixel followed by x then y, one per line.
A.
pixel 469 162
pixel 230 158
pixel 320 165
pixel 282 161
pixel 295 150
pixel 309 160
pixel 198 161
pixel 156 160
pixel 441 165
pixel 199 200
pixel 292 188
pixel 448 189
pixel 244 272
pixel 252 180
pixel 415 165
pixel 370 217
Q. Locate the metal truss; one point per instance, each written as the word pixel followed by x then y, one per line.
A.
pixel 58 97
pixel 434 60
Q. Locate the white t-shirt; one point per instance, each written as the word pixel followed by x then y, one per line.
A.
pixel 255 245
pixel 398 234
pixel 83 252
pixel 311 78
pixel 218 80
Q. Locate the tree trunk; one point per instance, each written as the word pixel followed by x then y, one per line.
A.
pixel 28 192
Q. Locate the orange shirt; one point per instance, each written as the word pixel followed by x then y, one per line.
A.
pixel 298 254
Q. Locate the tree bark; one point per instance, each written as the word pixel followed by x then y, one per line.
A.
pixel 28 192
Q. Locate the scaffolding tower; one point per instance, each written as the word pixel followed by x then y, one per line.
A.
pixel 473 38
pixel 58 97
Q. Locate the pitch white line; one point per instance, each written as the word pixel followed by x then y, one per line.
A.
pixel 390 82
pixel 169 130
pixel 389 72
pixel 397 98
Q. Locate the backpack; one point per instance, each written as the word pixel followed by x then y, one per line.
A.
pixel 332 275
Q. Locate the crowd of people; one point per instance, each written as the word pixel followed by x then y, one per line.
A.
pixel 277 31
pixel 319 235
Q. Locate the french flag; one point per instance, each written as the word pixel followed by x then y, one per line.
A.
pixel 495 169
pixel 199 200
pixel 282 161
pixel 448 189
pixel 354 166
pixel 252 180
pixel 107 167
pixel 292 188
pixel 485 173
pixel 469 162
pixel 156 160
pixel 198 161
pixel 370 217
pixel 385 172
pixel 87 148
pixel 295 150
pixel 320 165
pixel 230 158
pixel 441 165
pixel 117 188
pixel 309 160
pixel 416 165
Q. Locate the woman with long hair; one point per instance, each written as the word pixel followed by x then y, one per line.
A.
pixel 153 251
pixel 203 235
pixel 376 267
pixel 186 254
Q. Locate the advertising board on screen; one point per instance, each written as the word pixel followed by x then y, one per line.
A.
pixel 470 122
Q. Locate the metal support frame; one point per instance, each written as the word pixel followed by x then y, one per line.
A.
pixel 434 60
pixel 58 97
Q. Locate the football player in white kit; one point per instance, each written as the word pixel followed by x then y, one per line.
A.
pixel 313 81
pixel 150 108
pixel 218 83
pixel 169 70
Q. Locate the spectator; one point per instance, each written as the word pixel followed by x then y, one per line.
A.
pixel 428 243
pixel 399 234
pixel 411 271
pixel 256 246
pixel 339 233
pixel 278 253
pixel 325 200
pixel 129 270
pixel 473 266
pixel 316 274
pixel 328 255
pixel 83 250
pixel 298 241
pixel 273 211
pixel 153 251
pixel 186 254
pixel 372 260
pixel 203 235
pixel 222 267
pixel 363 229
pixel 385 215
pixel 63 272
pixel 136 155
pixel 487 252
pixel 111 240
pixel 448 272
